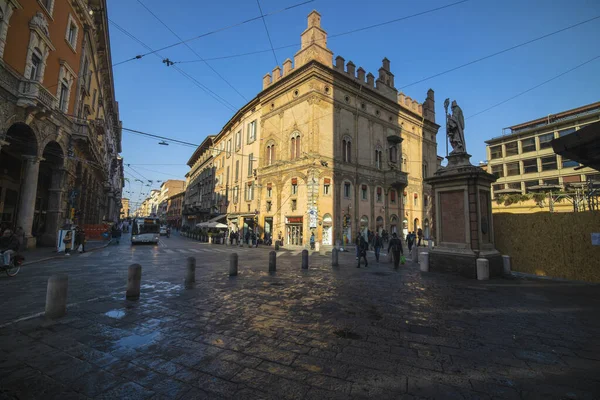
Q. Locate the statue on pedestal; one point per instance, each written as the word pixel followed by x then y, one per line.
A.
pixel 455 128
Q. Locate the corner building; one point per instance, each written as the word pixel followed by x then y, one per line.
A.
pixel 329 149
pixel 60 134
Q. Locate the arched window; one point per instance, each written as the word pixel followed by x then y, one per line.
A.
pixel 295 146
pixel 270 156
pixel 393 154
pixel 378 158
pixel 347 149
pixel 425 172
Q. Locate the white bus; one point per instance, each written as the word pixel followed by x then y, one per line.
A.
pixel 145 230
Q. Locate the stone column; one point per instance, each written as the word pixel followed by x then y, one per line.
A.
pixel 29 184
pixel 373 204
pixel 55 207
pixel 386 223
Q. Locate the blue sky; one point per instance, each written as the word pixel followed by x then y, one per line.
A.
pixel 157 99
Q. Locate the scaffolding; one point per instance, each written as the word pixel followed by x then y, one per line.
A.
pixel 584 196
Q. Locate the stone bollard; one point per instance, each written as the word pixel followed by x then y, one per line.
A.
pixel 233 264
pixel 414 253
pixel 335 258
pixel 483 269
pixel 56 296
pixel 277 245
pixel 430 244
pixel 424 262
pixel 190 271
pixel 272 261
pixel 134 280
pixel 304 259
pixel 506 265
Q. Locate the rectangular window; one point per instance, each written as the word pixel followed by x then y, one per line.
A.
pixel 566 163
pixel 294 188
pixel 393 196
pixel 512 149
pixel 72 34
pixel 378 159
pixel 498 171
pixel 530 166
pixel 549 163
pixel 551 181
pixel 94 98
pixel 250 162
pixel 228 147
pixel 379 197
pixel 425 201
pixel 269 205
pixel 294 204
pixel 269 191
pixel 227 175
pixel 514 185
pixel 529 184
pixel 363 192
pixel 64 97
pixel 250 191
pixel 513 169
pixel 237 170
pixel 425 171
pixel 498 186
pixel 347 190
pixel 528 145
pixel 592 177
pixel 495 152
pixel 566 132
pixel 251 132
pixel 236 191
pixel 326 183
pixel 35 67
pixel 545 140
pixel 238 140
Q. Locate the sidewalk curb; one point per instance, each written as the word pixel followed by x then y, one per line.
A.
pixel 61 255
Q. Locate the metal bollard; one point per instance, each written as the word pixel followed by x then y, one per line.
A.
pixel 190 271
pixel 233 264
pixel 304 259
pixel 134 280
pixel 483 269
pixel 56 296
pixel 335 258
pixel 506 265
pixel 272 261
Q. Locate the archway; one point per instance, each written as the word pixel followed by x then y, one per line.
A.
pixel 18 179
pixel 416 225
pixel 50 204
pixel 364 226
pixel 393 224
pixel 327 230
pixel 379 224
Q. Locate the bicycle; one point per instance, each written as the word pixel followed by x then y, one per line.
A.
pixel 13 268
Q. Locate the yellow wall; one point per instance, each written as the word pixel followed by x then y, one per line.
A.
pixel 551 244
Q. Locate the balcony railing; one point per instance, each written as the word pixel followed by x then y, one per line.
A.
pixel 34 93
pixel 396 178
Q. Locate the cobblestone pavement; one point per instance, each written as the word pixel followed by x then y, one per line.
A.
pixel 322 333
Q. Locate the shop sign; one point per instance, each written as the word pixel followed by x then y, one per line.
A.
pixel 293 220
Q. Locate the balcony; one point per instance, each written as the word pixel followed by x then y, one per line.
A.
pixel 396 178
pixel 34 94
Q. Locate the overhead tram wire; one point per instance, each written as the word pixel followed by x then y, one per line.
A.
pixel 337 34
pixel 536 86
pixel 502 51
pixel 185 74
pixel 193 51
pixel 220 30
pixel 329 114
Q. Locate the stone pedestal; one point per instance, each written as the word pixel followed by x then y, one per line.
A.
pixel 463 219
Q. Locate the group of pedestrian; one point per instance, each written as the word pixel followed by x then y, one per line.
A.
pixel 376 242
pixel 411 238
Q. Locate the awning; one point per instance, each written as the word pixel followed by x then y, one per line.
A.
pixel 215 219
pixel 582 146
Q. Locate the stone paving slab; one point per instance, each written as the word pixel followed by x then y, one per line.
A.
pixel 325 333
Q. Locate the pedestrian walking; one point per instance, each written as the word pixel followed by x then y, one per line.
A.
pixel 312 241
pixel 377 245
pixel 395 246
pixel 79 240
pixel 410 239
pixel 420 236
pixel 357 244
pixel 363 246
pixel 68 242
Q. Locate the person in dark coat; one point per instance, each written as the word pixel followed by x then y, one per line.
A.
pixel 9 244
pixel 363 247
pixel 377 245
pixel 420 236
pixel 395 246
